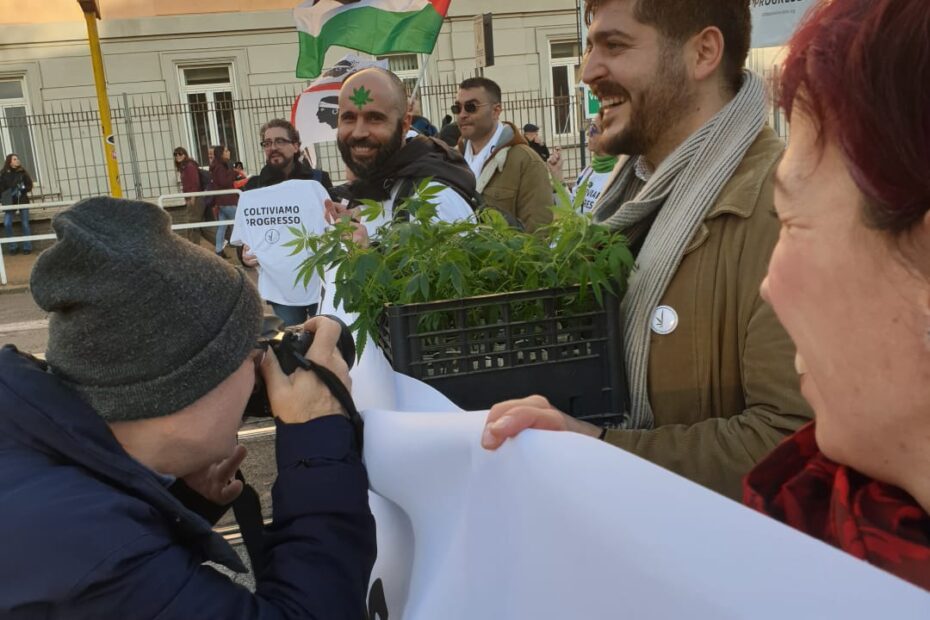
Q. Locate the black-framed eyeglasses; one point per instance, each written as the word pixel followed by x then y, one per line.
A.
pixel 277 142
pixel 469 106
pixel 179 154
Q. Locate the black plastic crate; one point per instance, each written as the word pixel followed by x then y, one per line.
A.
pixel 481 350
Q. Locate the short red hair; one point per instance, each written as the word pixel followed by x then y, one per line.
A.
pixel 861 70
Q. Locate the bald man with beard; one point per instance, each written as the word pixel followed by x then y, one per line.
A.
pixel 373 120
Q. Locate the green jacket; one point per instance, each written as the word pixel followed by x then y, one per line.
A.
pixel 722 386
pixel 520 184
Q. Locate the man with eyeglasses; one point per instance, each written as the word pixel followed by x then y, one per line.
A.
pixel 119 451
pixel 281 143
pixel 292 303
pixel 510 176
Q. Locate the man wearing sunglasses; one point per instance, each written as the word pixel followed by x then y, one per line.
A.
pixel 120 450
pixel 510 176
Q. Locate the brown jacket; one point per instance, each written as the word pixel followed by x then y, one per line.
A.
pixel 723 387
pixel 521 186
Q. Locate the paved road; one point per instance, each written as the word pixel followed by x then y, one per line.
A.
pixel 22 322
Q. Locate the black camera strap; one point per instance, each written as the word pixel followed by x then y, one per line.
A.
pixel 248 511
pixel 247 507
pixel 339 390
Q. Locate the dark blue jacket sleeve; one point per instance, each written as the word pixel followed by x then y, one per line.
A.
pixel 319 549
pixel 323 528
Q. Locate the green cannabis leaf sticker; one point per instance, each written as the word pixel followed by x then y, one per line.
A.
pixel 361 96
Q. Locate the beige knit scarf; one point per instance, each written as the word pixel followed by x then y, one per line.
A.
pixel 683 189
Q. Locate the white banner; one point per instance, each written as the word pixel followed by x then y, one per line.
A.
pixel 774 21
pixel 561 526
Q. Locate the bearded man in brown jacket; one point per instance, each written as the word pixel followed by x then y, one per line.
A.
pixel 712 385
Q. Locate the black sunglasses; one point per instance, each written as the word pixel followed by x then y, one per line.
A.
pixel 470 106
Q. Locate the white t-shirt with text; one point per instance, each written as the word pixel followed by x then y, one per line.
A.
pixel 596 181
pixel 262 222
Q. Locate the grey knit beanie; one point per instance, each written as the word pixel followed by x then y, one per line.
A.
pixel 143 322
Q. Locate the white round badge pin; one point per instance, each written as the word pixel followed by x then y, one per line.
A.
pixel 664 320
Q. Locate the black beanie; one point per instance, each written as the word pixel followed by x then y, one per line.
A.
pixel 143 322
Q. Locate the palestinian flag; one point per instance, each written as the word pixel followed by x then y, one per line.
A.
pixel 372 26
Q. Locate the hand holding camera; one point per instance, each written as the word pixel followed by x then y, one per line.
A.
pixel 296 397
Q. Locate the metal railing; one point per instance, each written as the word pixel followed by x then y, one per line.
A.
pixel 67 164
pixel 60 205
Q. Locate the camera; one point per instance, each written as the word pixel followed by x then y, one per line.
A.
pixel 290 345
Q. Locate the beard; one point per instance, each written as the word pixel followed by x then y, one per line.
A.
pixel 384 152
pixel 285 160
pixel 653 111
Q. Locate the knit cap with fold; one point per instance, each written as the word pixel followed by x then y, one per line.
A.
pixel 142 322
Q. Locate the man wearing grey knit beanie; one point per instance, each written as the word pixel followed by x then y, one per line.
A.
pixel 112 448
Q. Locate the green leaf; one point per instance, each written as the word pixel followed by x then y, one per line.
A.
pixel 562 196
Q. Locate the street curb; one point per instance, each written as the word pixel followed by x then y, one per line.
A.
pixel 11 289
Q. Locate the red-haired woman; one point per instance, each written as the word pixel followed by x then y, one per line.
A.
pixel 850 281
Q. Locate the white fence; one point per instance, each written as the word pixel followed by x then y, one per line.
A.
pixel 61 205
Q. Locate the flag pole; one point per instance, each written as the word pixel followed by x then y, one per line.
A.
pixel 416 87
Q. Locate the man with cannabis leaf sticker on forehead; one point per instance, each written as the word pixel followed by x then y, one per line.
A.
pixel 373 119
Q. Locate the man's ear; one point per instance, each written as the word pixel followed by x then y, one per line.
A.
pixel 408 120
pixel 496 110
pixel 704 52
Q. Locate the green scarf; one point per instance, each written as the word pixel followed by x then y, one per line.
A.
pixel 603 163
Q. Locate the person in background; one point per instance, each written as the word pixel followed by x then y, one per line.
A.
pixel 280 141
pixel 15 185
pixel 552 158
pixel 191 181
pixel 419 123
pixel 531 134
pixel 450 133
pixel 241 177
pixel 225 204
pixel 596 174
pixel 508 173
